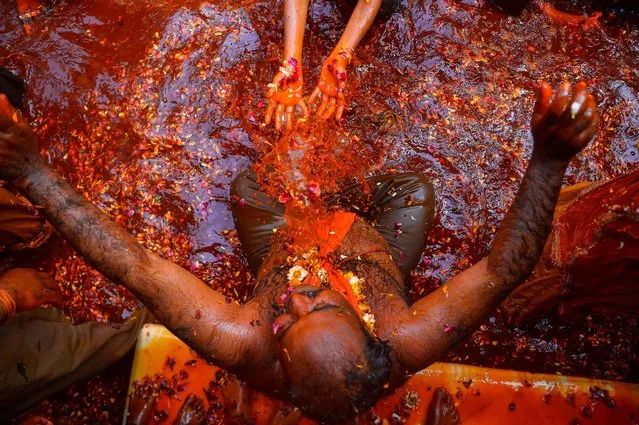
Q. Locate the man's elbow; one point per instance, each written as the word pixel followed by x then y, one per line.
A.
pixel 511 267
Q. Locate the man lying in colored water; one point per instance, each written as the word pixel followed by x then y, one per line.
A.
pixel 346 331
pixel 286 90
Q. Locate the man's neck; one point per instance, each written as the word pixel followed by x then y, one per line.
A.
pixel 363 253
pixel 380 292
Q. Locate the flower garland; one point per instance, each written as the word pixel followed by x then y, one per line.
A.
pixel 310 268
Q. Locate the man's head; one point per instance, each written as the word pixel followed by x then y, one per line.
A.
pixel 335 367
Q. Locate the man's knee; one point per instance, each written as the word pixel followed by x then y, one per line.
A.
pixel 243 183
pixel 418 187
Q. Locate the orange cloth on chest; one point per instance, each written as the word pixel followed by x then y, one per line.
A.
pixel 331 234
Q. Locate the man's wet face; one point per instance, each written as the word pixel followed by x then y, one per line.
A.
pixel 319 336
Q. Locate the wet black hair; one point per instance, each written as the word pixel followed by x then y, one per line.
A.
pixel 370 381
pixel 362 387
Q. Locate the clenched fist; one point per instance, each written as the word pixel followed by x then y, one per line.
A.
pixel 563 124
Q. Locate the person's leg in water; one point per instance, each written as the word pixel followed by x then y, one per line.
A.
pixel 401 207
pixel 256 216
pixel 41 351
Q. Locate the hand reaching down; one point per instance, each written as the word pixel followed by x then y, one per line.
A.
pixel 330 87
pixel 285 93
pixel 17 144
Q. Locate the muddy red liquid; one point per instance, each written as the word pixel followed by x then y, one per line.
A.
pixel 150 108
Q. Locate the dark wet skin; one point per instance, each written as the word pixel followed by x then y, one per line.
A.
pixel 317 320
pixel 318 327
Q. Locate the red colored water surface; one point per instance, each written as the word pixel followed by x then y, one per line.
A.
pixel 150 108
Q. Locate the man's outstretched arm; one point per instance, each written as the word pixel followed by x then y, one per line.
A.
pixel 194 312
pixel 439 321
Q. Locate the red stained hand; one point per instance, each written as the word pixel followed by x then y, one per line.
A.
pixel 17 144
pixel 30 289
pixel 564 124
pixel 330 88
pixel 285 93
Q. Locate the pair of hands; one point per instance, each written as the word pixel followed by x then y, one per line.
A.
pixel 286 91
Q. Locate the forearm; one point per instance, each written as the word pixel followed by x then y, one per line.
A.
pixel 103 244
pixel 358 25
pixel 438 322
pixel 295 12
pixel 194 312
pixel 435 324
pixel 525 228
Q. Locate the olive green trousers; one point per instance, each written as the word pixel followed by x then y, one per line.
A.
pixel 42 352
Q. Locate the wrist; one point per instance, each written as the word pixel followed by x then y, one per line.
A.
pixel 540 159
pixel 343 54
pixel 292 70
pixel 33 171
pixel 292 55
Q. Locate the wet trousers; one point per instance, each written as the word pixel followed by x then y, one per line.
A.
pixel 42 352
pixel 406 198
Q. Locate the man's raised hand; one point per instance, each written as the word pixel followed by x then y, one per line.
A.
pixel 284 94
pixel 563 123
pixel 330 87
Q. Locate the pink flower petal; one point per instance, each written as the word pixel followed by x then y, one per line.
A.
pixel 314 189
